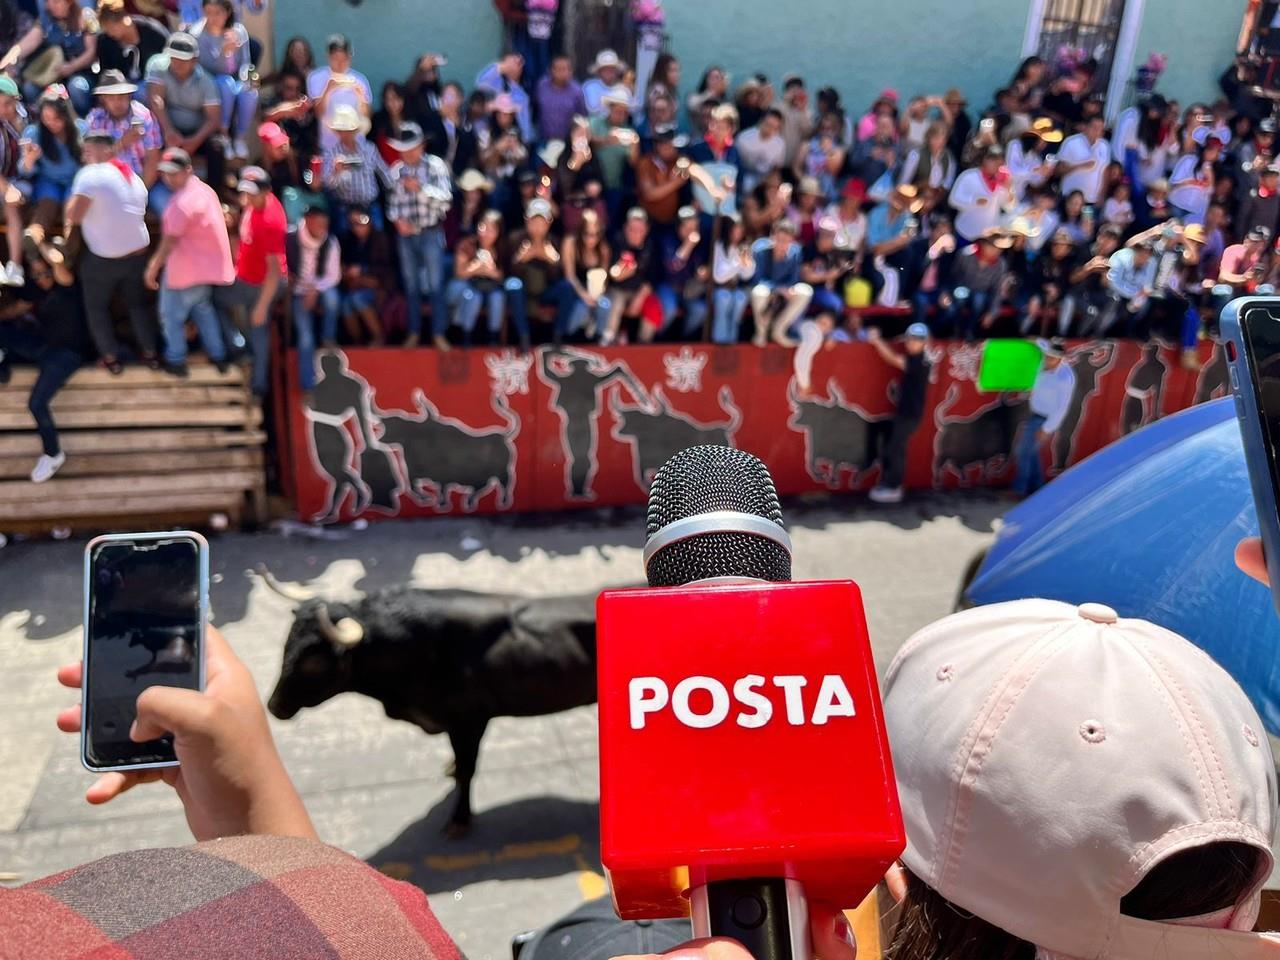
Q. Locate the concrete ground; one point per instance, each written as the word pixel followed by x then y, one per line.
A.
pixel 376 786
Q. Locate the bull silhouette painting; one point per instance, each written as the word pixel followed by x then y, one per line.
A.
pixel 577 380
pixel 837 435
pixel 170 650
pixel 1144 390
pixel 1088 363
pixel 442 454
pixel 656 432
pixel 982 441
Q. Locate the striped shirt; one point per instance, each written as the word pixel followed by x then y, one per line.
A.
pixel 353 183
pixel 427 205
pixel 152 138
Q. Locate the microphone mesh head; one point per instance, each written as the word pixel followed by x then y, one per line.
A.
pixel 703 480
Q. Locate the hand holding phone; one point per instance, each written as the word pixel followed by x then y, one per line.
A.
pixel 231 780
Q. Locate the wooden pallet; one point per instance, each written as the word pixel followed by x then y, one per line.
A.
pixel 144 450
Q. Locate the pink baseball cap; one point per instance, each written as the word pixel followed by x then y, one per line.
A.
pixel 272 133
pixel 1049 756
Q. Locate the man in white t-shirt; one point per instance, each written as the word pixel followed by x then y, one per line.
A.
pixel 337 85
pixel 108 202
pixel 980 196
pixel 761 149
pixel 1082 159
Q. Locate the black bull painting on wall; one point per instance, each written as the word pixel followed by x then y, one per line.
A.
pixel 390 433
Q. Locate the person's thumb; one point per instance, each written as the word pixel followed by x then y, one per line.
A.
pixel 173 710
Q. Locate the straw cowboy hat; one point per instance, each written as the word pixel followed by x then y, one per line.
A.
pixel 472 179
pixel 604 60
pixel 347 119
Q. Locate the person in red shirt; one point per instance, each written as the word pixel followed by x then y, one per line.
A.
pixel 261 270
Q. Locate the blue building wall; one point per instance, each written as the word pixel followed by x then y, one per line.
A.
pixel 859 46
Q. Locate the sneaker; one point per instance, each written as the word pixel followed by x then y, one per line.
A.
pixel 180 370
pixel 47 466
pixel 411 341
pixel 886 494
pixel 222 365
pixel 240 149
pixel 441 343
pixel 13 275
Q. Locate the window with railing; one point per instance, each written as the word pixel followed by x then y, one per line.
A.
pixel 1089 25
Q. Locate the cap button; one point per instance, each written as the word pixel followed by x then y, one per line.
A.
pixel 1098 613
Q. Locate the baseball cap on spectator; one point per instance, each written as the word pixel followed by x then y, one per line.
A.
pixel 1270 170
pixel 345 118
pixel 407 137
pixel 538 207
pixel 338 41
pixel 1156 752
pixel 181 46
pixel 1053 347
pixel 666 133
pixel 854 189
pixel 1268 126
pixel 1259 233
pixel 637 213
pixel 473 179
pixel 113 81
pixel 272 134
pixel 604 59
pixel 918 331
pixel 90 136
pixel 315 203
pixel 687 213
pixel 8 87
pixel 253 180
pixel 889 95
pixel 174 160
pixel 810 186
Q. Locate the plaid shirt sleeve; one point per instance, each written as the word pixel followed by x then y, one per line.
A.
pixel 253 896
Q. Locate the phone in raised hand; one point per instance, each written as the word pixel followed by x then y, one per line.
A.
pixel 146 601
pixel 1251 338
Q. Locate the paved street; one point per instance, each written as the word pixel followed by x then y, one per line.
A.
pixel 376 786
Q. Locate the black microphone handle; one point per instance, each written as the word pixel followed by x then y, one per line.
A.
pixel 767 915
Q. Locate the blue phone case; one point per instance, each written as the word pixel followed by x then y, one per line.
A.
pixel 1251 432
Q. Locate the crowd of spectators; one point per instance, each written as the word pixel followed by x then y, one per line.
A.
pixel 147 160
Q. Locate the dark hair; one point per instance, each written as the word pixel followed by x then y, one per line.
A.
pixel 661 70
pixel 288 66
pixel 227 7
pixel 1186 884
pixel 706 75
pixel 774 112
pixel 75 16
pixel 1025 67
pixel 71 133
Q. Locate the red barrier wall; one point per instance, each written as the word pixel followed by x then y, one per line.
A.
pixel 420 433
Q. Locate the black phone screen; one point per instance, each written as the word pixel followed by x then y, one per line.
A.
pixel 144 630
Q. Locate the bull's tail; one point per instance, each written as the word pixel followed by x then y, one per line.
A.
pixel 835 393
pixel 734 412
pixel 503 406
pixel 944 408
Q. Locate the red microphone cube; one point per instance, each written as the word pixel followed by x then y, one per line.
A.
pixel 741 735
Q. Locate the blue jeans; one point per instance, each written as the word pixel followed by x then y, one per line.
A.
pixel 239 102
pixel 422 274
pixel 572 313
pixel 730 308
pixel 1030 476
pixel 466 302
pixel 967 308
pixel 826 300
pixel 56 365
pixel 197 303
pixel 358 301
pixel 695 311
pixel 304 325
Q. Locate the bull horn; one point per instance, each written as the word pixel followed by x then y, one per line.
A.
pixel 344 634
pixel 292 593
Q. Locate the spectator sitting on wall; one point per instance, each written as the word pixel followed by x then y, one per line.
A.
pixel 367 275
pixel 50 157
pixel 761 149
pixel 188 107
pixel 503 77
pixel 979 286
pixel 351 165
pixel 9 192
pixel 536 265
pixel 559 99
pixel 1130 280
pixel 684 278
pixel 45 325
pixel 290 109
pixel 606 73
pixel 128 41
pixel 480 282
pixel 195 254
pixel 779 297
pixel 631 276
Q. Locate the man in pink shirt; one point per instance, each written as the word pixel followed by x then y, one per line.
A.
pixel 195 254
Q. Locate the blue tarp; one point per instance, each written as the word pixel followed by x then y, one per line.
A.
pixel 1148 526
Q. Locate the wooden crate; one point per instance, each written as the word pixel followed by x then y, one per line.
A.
pixel 144 449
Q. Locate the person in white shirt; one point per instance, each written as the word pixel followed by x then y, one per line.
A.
pixel 1192 181
pixel 607 72
pixel 1026 156
pixel 981 195
pixel 761 149
pixel 108 202
pixel 1131 276
pixel 1050 400
pixel 732 267
pixel 338 85
pixel 1083 159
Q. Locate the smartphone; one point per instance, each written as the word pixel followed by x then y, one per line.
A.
pixel 146 600
pixel 1251 339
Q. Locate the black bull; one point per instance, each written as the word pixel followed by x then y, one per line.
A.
pixel 448 661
